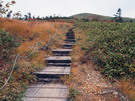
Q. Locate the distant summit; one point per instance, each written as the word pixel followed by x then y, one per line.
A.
pixel 96 16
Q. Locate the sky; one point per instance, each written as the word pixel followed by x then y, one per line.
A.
pixel 71 7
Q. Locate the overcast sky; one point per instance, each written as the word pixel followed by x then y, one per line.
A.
pixel 71 7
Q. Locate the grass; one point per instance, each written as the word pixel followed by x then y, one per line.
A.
pixel 73 93
pixel 26 34
pixel 88 15
pixel 128 88
pixel 111 47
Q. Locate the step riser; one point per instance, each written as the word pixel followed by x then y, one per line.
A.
pixel 70 32
pixel 58 61
pixel 48 79
pixel 70 40
pixel 60 65
pixel 67 47
pixel 59 54
pixel 50 75
pixel 70 37
pixel 68 44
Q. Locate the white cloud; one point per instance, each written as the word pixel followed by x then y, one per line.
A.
pixel 70 7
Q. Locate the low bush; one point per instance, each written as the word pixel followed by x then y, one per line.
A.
pixel 112 46
pixel 7 46
pixel 73 93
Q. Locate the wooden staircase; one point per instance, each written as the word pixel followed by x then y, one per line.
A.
pixel 57 66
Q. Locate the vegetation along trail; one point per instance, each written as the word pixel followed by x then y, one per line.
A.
pixel 101 55
pixel 102 61
pixel 83 57
pixel 57 66
pixel 23 41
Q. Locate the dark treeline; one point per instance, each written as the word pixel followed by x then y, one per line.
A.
pixel 29 16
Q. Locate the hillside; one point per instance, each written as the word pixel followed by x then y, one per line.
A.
pixel 103 63
pixel 110 48
pixel 23 38
pixel 88 15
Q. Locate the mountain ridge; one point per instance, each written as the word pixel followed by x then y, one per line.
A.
pixel 89 15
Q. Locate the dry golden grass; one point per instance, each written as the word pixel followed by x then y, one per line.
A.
pixel 32 32
pixel 128 88
pixel 27 29
pixel 28 33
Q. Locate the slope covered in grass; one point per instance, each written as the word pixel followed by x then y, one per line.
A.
pixel 89 15
pixel 20 37
pixel 111 46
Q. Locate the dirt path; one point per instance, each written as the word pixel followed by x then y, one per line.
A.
pixel 88 80
pixel 92 85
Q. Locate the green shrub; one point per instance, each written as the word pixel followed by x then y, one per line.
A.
pixel 112 46
pixel 7 45
pixel 73 93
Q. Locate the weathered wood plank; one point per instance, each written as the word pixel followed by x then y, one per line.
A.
pixel 31 99
pixel 62 50
pixel 40 92
pixel 56 70
pixel 49 67
pixel 43 99
pixel 58 58
pixel 52 99
pixel 55 93
pixel 32 91
pixel 53 69
pixel 48 99
pixel 59 64
pixel 63 92
pixel 49 90
pixel 62 99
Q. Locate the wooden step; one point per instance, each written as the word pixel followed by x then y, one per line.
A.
pixel 70 40
pixel 52 73
pixel 68 45
pixel 48 80
pixel 54 70
pixel 59 64
pixel 58 59
pixel 61 52
pixel 47 75
pixel 70 32
pixel 70 37
pixel 46 92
